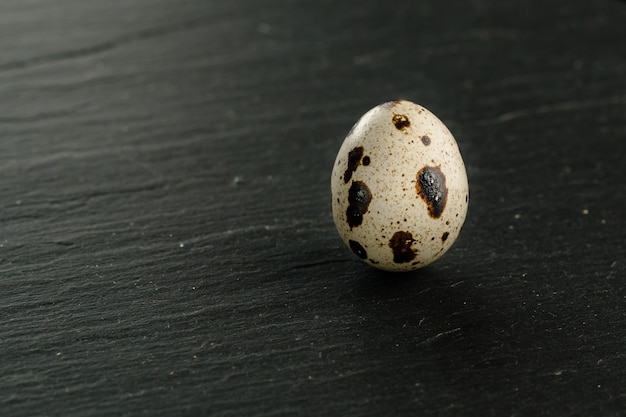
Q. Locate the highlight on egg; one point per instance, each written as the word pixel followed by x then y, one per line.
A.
pixel 399 187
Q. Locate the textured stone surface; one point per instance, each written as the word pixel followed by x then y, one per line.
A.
pixel 166 239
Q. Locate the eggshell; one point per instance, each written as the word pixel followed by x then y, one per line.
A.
pixel 399 187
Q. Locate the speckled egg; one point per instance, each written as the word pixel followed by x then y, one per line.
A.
pixel 399 187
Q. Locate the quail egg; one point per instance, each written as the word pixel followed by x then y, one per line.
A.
pixel 399 187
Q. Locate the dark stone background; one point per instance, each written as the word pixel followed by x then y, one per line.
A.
pixel 166 242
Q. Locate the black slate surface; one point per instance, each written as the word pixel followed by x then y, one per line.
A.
pixel 166 242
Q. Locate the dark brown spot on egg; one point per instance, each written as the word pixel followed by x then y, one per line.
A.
pixel 359 197
pixel 358 249
pixel 444 237
pixel 400 121
pixel 354 159
pixel 366 160
pixel 426 140
pixel 401 244
pixel 431 187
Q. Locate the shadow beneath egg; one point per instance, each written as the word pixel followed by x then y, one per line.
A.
pixel 379 285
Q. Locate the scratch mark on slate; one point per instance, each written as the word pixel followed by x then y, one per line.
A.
pixel 440 335
pixel 315 264
pixel 551 108
pixel 45 115
pixel 102 46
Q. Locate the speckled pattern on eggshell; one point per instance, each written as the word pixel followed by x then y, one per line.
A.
pixel 399 187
